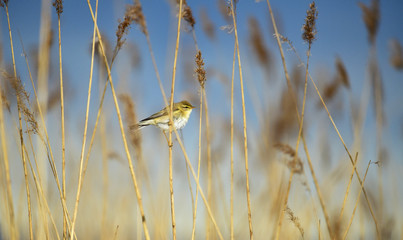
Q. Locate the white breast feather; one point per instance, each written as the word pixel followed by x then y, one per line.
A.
pixel 180 123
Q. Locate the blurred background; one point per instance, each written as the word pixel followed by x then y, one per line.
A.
pixel 356 62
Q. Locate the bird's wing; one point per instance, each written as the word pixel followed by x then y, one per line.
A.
pixel 155 115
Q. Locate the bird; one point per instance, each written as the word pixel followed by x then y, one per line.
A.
pixel 180 115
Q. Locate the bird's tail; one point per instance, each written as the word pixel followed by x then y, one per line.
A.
pixel 138 126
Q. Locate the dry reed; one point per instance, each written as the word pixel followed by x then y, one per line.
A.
pixel 371 19
pixel 396 54
pixel 10 205
pixel 58 4
pixel 295 220
pixel 257 43
pixel 201 77
pixel 138 194
pixel 207 24
pixel 232 148
pixel 45 141
pixel 232 6
pixel 291 115
pixel 293 97
pixel 357 201
pixel 20 93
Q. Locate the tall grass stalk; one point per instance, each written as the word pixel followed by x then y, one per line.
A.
pixel 22 145
pixel 104 151
pixel 232 148
pixel 292 93
pixel 10 205
pixel 41 210
pixel 201 77
pixel 356 203
pixel 170 144
pixel 350 157
pixel 80 173
pixel 301 123
pixel 41 195
pixel 199 160
pixel 348 189
pixel 210 213
pixel 176 133
pixel 43 60
pixel 138 194
pixel 282 208
pixel 209 163
pixel 59 9
pixel 244 123
pixel 342 141
pixel 45 140
pixel 208 135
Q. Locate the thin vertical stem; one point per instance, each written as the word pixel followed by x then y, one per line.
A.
pixel 244 124
pixel 280 219
pixel 232 148
pixel 348 189
pixel 138 194
pixel 290 88
pixel 40 193
pixel 199 161
pixel 356 203
pixel 209 163
pixel 105 181
pixel 13 231
pixel 46 141
pixel 62 122
pixel 198 185
pixel 170 144
pixel 19 102
pixel 180 141
pixel 80 173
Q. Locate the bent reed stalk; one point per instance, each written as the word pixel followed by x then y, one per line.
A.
pixel 22 145
pixel 138 194
pixel 292 93
pixel 244 123
pixel 170 113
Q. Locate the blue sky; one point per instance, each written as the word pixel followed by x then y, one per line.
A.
pixel 341 32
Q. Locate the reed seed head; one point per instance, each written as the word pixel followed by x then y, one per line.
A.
pixel 285 121
pixel 309 28
pixel 133 13
pixel 58 4
pixel 188 15
pixel 225 10
pixel 23 102
pixel 3 3
pixel 370 15
pixel 131 118
pixel 294 219
pixel 295 164
pixel 257 42
pixel 207 24
pixel 342 75
pixel 105 43
pixel 330 90
pixel 396 57
pixel 201 72
pixel 5 101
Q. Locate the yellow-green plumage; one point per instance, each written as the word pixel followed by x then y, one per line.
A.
pixel 181 113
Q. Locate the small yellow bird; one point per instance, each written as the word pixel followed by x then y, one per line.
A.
pixel 181 113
